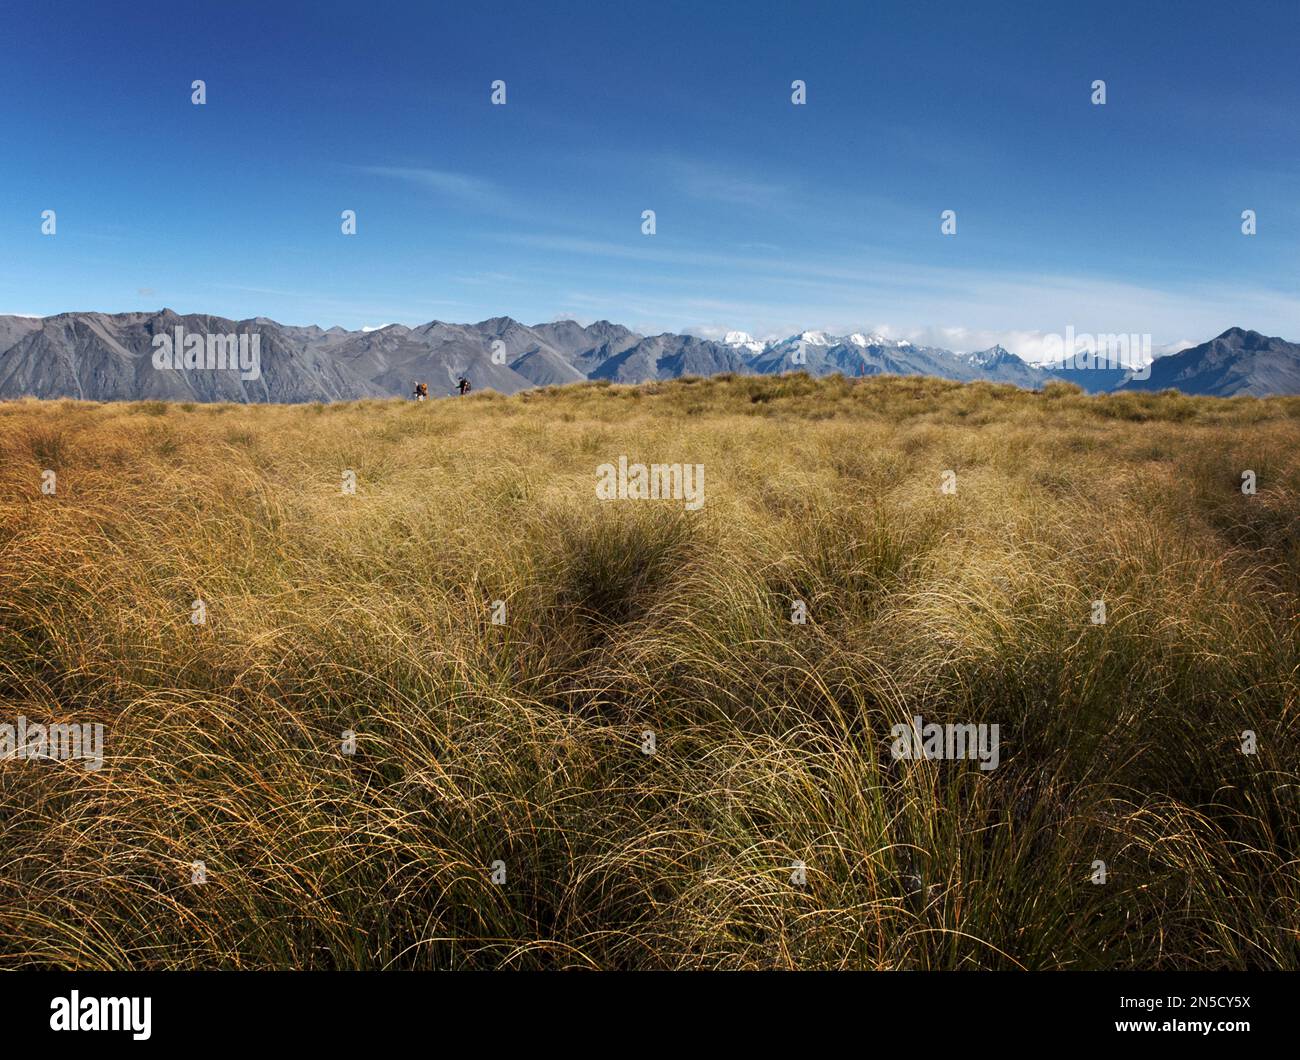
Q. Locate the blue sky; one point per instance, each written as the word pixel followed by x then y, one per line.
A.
pixel 771 217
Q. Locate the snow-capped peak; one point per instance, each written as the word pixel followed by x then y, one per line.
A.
pixel 989 356
pixel 815 338
pixel 743 340
pixel 858 339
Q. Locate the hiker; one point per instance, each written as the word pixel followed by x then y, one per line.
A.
pixel 462 384
pixel 421 391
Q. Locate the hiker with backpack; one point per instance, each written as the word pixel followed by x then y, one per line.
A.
pixel 421 391
pixel 462 384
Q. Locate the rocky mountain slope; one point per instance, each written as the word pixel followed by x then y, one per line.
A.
pixel 109 357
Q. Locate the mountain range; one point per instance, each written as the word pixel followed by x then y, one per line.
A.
pixel 112 357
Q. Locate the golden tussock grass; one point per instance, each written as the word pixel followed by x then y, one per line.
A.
pixel 522 743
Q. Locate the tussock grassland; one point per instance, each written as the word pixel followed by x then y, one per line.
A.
pixel 522 743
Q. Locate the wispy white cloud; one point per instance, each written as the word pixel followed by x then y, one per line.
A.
pixel 489 277
pixel 457 187
pixel 719 184
pixel 956 309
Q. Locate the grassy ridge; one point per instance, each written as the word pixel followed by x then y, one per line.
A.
pixel 523 743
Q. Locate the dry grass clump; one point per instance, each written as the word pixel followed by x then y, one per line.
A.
pixel 524 743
